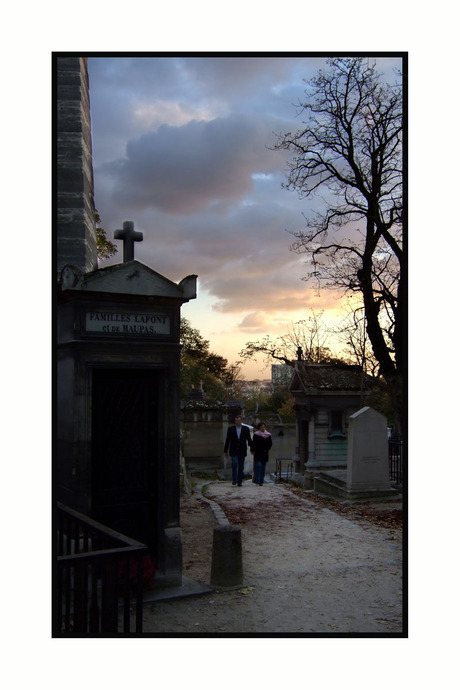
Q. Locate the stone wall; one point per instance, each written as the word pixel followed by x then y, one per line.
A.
pixel 203 433
pixel 76 235
pixel 203 438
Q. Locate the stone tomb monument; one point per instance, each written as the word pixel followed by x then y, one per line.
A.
pixel 118 401
pixel 367 474
pixel 367 468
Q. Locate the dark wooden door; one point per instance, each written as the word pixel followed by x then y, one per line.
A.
pixel 125 450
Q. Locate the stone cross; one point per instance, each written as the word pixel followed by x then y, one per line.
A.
pixel 129 236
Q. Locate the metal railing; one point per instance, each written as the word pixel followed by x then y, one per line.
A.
pixel 395 460
pixel 395 463
pixel 279 474
pixel 98 573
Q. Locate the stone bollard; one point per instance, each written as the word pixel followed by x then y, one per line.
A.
pixel 227 560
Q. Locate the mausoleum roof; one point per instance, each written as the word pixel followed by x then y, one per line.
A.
pixel 132 278
pixel 329 377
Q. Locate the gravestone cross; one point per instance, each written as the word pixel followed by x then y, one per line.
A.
pixel 129 236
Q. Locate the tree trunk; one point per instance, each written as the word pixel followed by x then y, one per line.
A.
pixel 388 368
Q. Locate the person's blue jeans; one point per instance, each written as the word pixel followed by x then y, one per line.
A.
pixel 259 468
pixel 237 470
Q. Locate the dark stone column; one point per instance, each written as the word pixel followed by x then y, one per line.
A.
pixel 76 234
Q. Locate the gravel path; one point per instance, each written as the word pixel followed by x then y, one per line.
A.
pixel 307 568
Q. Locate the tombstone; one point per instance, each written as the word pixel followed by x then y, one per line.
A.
pixel 367 476
pixel 367 468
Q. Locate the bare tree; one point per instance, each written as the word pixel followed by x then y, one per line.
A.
pixel 305 338
pixel 348 153
pixel 351 333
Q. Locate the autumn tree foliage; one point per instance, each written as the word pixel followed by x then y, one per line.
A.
pixel 200 365
pixel 105 248
pixel 348 164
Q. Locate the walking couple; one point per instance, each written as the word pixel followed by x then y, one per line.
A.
pixel 236 445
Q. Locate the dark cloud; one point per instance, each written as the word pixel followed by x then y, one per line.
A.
pixel 242 257
pixel 232 78
pixel 184 169
pixel 130 96
pixel 181 146
pixel 128 79
pixel 251 233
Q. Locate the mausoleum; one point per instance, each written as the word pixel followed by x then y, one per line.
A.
pixel 118 403
pixel 325 397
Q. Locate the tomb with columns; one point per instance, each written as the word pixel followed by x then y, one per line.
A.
pixel 325 397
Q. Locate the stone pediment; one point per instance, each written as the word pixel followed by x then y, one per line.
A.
pixel 130 278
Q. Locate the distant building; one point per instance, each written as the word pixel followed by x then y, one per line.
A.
pixel 256 386
pixel 281 374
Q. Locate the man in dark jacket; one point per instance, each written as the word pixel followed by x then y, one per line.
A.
pixel 236 445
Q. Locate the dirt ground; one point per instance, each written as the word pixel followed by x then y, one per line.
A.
pixel 310 565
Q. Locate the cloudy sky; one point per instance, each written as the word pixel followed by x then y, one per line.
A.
pixel 182 146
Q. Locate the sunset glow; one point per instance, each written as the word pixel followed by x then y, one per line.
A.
pixel 183 147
